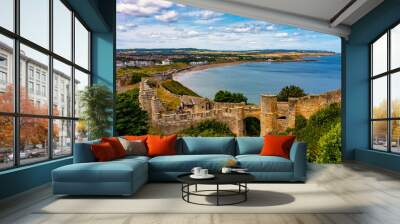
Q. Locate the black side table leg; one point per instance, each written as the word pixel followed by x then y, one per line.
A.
pixel 195 188
pixel 217 194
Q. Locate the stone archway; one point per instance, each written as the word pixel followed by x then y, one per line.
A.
pixel 252 126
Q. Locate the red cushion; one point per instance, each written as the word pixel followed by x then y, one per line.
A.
pixel 103 152
pixel 275 145
pixel 136 137
pixel 116 145
pixel 161 145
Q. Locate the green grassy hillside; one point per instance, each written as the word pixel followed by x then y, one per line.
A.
pixel 177 88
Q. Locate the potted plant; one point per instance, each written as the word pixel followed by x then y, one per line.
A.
pixel 96 103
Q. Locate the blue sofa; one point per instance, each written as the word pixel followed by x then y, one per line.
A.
pixel 125 176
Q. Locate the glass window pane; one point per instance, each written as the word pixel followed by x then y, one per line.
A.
pixel 6 74
pixel 33 140
pixel 6 142
pixel 62 29
pixel 379 135
pixel 7 14
pixel 81 82
pixel 395 94
pixel 395 47
pixel 62 138
pixel 35 21
pixel 81 131
pixel 395 136
pixel 34 97
pixel 81 45
pixel 62 89
pixel 379 56
pixel 379 97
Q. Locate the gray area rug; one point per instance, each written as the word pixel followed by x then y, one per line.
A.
pixel 166 198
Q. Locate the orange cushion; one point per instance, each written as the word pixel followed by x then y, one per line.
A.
pixel 161 145
pixel 116 145
pixel 103 152
pixel 136 137
pixel 275 145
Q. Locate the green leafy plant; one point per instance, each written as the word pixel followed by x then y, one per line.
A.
pixel 208 128
pixel 228 97
pixel 131 119
pixel 290 91
pixel 330 146
pixel 97 102
pixel 318 125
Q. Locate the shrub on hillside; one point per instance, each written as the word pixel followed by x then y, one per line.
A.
pixel 290 91
pixel 228 97
pixel 330 146
pixel 130 118
pixel 317 125
pixel 208 128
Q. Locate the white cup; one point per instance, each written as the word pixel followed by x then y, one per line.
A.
pixel 226 170
pixel 196 171
pixel 203 172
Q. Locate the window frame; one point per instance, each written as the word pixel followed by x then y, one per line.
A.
pixel 16 114
pixel 388 74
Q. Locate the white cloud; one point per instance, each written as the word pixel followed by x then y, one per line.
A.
pixel 169 16
pixel 126 27
pixel 204 14
pixel 143 8
pixel 282 34
pixel 249 27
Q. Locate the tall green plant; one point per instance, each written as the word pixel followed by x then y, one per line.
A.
pixel 97 102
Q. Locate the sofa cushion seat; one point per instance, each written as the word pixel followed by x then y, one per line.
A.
pixel 112 171
pixel 257 163
pixel 184 163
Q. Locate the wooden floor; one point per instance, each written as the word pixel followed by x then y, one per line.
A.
pixel 379 189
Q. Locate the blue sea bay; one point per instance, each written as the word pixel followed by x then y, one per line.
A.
pixel 256 78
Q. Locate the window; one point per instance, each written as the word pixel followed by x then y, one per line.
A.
pixel 35 21
pixel 81 45
pixel 6 74
pixel 62 29
pixel 44 111
pixel 81 82
pixel 62 74
pixel 7 14
pixel 385 95
pixel 30 88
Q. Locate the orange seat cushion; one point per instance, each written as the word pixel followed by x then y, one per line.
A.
pixel 116 145
pixel 161 145
pixel 103 152
pixel 136 137
pixel 275 145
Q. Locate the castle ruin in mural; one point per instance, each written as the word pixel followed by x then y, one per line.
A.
pixel 274 116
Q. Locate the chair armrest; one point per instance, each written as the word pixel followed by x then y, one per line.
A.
pixel 83 152
pixel 298 155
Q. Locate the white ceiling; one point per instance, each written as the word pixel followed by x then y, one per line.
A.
pixel 325 16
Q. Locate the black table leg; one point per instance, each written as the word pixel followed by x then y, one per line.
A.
pixel 245 194
pixel 195 188
pixel 217 194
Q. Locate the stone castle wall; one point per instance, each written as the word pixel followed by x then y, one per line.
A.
pixel 274 116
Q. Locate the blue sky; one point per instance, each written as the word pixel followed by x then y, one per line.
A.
pixel 163 24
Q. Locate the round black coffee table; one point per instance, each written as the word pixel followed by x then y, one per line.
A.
pixel 238 179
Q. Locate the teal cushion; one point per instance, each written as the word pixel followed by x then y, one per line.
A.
pixel 257 163
pixel 249 145
pixel 206 145
pixel 185 163
pixel 111 171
